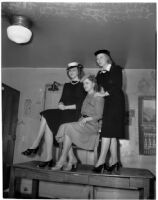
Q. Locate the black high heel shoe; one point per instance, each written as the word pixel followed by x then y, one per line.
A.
pixel 101 168
pixel 43 164
pixel 115 168
pixel 30 152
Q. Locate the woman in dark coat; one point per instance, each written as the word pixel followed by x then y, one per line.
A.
pixel 69 109
pixel 109 79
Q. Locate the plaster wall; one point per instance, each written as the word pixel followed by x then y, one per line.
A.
pixel 31 84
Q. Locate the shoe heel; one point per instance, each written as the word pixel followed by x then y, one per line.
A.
pixel 46 163
pixel 70 167
pixel 30 152
pixel 35 150
pixel 74 166
pixel 59 166
pixel 99 169
pixel 118 166
pixel 115 168
pixel 51 162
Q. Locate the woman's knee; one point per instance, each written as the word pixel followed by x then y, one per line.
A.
pixel 66 126
pixel 43 119
pixel 61 127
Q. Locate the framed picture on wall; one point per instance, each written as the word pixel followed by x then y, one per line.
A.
pixel 147 125
pixel 148 110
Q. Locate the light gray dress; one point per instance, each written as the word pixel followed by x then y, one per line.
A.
pixel 84 136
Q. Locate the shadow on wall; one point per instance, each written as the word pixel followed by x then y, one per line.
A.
pixel 127 113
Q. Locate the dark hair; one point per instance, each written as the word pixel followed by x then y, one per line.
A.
pixel 92 78
pixel 80 71
pixel 105 51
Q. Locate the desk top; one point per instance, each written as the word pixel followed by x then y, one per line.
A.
pixel 87 170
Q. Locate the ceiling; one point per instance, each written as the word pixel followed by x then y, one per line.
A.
pixel 65 32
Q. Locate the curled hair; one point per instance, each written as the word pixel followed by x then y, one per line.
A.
pixel 92 78
pixel 80 72
pixel 110 60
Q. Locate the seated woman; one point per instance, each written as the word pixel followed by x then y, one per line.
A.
pixel 69 109
pixel 84 132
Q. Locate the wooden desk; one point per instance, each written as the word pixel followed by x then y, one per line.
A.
pixel 127 178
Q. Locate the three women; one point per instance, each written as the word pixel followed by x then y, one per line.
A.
pixel 109 80
pixel 83 132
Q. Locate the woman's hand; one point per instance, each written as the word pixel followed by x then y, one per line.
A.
pixel 61 106
pixel 83 122
pixel 106 94
pixel 98 94
pixel 101 94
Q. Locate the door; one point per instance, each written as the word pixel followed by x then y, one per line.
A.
pixel 10 104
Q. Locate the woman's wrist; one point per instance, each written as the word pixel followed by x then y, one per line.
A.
pixel 99 94
pixel 87 119
pixel 102 94
pixel 68 107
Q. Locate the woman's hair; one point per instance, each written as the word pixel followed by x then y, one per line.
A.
pixel 80 72
pixel 92 78
pixel 110 60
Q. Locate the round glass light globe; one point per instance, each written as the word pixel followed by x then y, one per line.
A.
pixel 19 34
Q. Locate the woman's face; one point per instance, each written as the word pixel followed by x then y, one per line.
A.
pixel 102 59
pixel 73 73
pixel 88 85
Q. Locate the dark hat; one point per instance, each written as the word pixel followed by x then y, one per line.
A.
pixel 73 64
pixel 102 51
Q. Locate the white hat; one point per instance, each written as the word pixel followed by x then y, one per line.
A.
pixel 72 64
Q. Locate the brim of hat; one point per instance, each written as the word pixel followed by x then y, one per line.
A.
pixel 106 52
pixel 68 68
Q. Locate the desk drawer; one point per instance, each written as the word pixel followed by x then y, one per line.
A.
pixel 114 193
pixel 108 181
pixel 137 182
pixel 40 175
pixel 76 178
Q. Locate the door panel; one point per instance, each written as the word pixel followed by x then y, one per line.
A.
pixel 10 104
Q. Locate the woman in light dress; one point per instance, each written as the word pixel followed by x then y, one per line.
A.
pixel 84 132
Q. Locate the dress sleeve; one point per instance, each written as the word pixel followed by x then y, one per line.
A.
pixel 63 94
pixel 80 98
pixel 98 82
pixel 99 106
pixel 115 82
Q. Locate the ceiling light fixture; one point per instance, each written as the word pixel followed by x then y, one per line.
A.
pixel 19 31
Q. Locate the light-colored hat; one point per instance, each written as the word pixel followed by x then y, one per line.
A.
pixel 73 64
